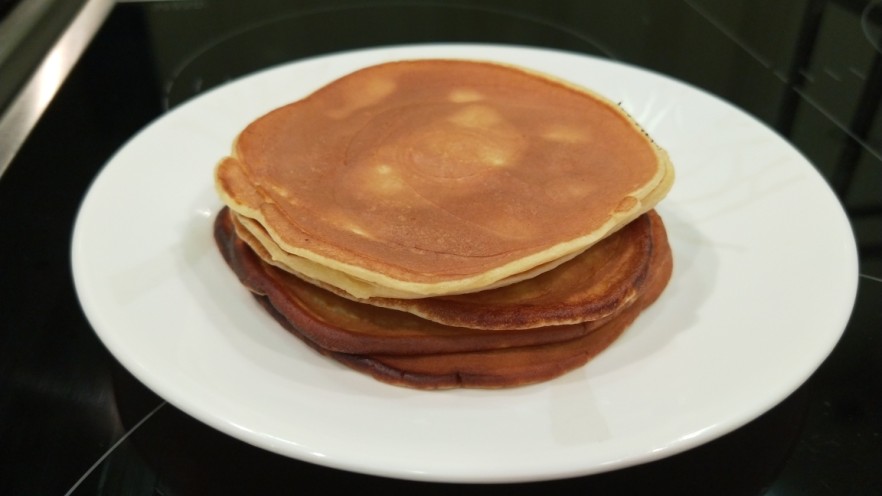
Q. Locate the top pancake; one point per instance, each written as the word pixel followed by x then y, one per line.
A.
pixel 434 177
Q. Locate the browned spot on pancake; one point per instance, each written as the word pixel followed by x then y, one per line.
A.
pixel 464 95
pixel 567 134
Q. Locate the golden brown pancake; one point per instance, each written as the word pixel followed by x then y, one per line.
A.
pixel 589 287
pixel 436 177
pixel 255 234
pixel 506 367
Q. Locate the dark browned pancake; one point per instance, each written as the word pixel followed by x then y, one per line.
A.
pixel 339 324
pixel 423 354
pixel 508 367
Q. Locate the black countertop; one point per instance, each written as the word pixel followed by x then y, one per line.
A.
pixel 72 420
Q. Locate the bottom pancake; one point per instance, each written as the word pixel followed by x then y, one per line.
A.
pixel 402 349
pixel 507 367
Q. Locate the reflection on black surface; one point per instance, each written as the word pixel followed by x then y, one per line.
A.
pixel 57 414
pixel 303 32
pixel 871 24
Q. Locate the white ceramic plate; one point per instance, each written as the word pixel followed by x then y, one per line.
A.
pixel 765 279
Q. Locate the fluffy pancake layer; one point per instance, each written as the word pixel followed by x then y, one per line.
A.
pixel 434 177
pixel 402 349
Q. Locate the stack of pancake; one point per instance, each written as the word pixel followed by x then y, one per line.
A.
pixel 448 223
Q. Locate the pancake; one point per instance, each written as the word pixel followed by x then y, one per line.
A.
pixel 436 177
pixel 345 284
pixel 506 367
pixel 587 288
pixel 339 324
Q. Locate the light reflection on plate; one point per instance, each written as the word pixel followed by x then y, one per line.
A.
pixel 764 281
